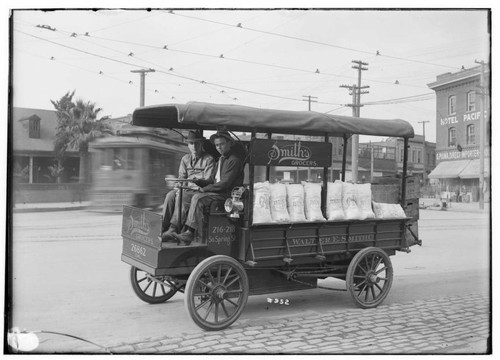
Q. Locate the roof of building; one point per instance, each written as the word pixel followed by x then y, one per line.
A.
pixel 21 140
pixel 450 78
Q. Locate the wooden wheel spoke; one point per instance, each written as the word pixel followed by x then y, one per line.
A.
pixel 202 304
pixel 224 309
pixel 363 289
pixel 141 280
pixel 154 288
pixel 356 286
pixel 237 277
pixel 373 292
pixel 227 275
pixel 383 269
pixel 210 276
pixel 362 269
pixel 232 302
pixel 147 287
pixel 216 312
pixel 238 291
pixel 205 284
pixel 209 310
pixel 219 270
pixel 378 286
pixel 378 263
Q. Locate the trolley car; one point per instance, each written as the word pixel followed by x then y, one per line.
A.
pixel 236 257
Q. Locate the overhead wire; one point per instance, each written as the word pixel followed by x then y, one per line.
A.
pixel 311 41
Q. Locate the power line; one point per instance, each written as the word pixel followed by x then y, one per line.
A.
pixel 313 41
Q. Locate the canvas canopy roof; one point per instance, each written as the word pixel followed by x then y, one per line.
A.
pixel 197 115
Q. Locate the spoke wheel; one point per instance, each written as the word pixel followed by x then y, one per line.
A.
pixel 153 290
pixel 369 277
pixel 216 292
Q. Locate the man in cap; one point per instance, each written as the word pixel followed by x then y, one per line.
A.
pixel 228 175
pixel 195 165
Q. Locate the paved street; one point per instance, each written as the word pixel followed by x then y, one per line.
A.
pixel 68 278
pixel 456 324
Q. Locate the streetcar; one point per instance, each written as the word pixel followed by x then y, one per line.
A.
pixel 236 256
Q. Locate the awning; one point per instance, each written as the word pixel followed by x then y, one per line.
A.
pixel 449 169
pixel 471 171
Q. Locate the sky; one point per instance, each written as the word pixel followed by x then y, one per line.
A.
pixel 272 58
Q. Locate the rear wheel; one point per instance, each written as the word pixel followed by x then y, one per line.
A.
pixel 151 289
pixel 369 277
pixel 216 292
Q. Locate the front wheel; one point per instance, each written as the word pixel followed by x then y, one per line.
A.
pixel 151 289
pixel 369 277
pixel 216 292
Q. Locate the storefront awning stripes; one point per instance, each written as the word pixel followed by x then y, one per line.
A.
pixel 471 170
pixel 449 169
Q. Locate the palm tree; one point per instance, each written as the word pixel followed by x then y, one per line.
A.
pixel 77 127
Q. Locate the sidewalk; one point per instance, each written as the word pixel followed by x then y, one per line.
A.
pixel 434 204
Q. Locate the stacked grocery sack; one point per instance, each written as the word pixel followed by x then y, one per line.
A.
pixel 289 203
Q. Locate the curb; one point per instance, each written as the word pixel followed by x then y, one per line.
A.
pixel 47 209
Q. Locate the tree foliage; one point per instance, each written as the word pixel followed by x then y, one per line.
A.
pixel 77 124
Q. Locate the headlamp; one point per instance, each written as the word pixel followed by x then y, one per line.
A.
pixel 234 204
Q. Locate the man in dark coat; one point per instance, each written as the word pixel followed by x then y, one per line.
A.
pixel 228 174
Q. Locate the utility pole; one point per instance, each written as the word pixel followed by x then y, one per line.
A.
pixel 143 80
pixel 424 175
pixel 482 134
pixel 356 91
pixel 309 98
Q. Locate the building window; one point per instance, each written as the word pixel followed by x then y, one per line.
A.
pixel 419 158
pixel 34 127
pixel 471 101
pixel 452 137
pixel 401 155
pixel 471 134
pixel 452 103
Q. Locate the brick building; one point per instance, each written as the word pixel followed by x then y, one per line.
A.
pixel 458 133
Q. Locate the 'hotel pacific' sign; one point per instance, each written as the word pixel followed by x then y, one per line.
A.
pixel 291 153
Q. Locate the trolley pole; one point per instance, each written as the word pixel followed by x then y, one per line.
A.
pixel 424 174
pixel 482 134
pixel 143 80
pixel 356 91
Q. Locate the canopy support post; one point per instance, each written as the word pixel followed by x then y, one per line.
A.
pixel 325 183
pixel 344 158
pixel 268 168
pixel 405 168
pixel 251 174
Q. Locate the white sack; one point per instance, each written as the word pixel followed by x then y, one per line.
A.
pixel 312 200
pixel 261 208
pixel 388 211
pixel 350 202
pixel 334 209
pixel 364 196
pixel 279 211
pixel 295 202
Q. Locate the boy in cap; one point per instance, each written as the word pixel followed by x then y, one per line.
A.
pixel 195 165
pixel 229 174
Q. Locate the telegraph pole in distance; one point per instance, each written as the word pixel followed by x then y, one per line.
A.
pixel 424 175
pixel 143 80
pixel 308 99
pixel 482 132
pixel 356 91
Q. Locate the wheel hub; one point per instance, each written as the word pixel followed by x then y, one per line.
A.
pixel 219 292
pixel 372 278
